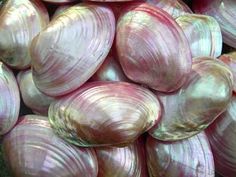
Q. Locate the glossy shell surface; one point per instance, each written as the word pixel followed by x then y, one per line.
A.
pixel 105 113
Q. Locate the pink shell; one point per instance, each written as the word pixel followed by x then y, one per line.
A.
pixel 222 137
pixel 128 161
pixel 105 113
pixel 152 48
pixel 224 11
pixel 175 8
pixel 32 149
pixel 204 96
pixel 191 157
pixel 72 48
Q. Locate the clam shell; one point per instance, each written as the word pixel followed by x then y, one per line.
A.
pixel 222 136
pixel 10 99
pixel 175 8
pixel 187 158
pixel 230 60
pixel 152 48
pixel 32 149
pixel 224 11
pixel 204 96
pixel 129 161
pixel 203 33
pixel 32 97
pixel 72 48
pixel 20 22
pixel 104 113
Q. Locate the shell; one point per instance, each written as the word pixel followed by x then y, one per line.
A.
pixel 72 48
pixel 32 97
pixel 110 71
pixel 145 55
pixel 204 96
pixel 224 11
pixel 10 99
pixel 129 161
pixel 222 135
pixel 104 113
pixel 187 158
pixel 32 149
pixel 230 60
pixel 203 33
pixel 17 30
pixel 175 8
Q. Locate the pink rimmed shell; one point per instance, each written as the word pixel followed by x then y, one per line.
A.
pixel 152 48
pixel 105 113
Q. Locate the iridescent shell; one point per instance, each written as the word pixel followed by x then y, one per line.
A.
pixel 152 48
pixel 222 137
pixel 175 8
pixel 72 48
pixel 204 96
pixel 20 22
pixel 104 113
pixel 128 161
pixel 32 97
pixel 32 149
pixel 203 33
pixel 10 99
pixel 224 11
pixel 191 157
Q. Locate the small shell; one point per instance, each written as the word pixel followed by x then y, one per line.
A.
pixel 10 99
pixel 32 149
pixel 203 34
pixel 222 137
pixel 104 113
pixel 32 97
pixel 187 158
pixel 198 103
pixel 152 48
pixel 110 71
pixel 20 22
pixel 230 60
pixel 129 161
pixel 72 48
pixel 175 8
pixel 224 11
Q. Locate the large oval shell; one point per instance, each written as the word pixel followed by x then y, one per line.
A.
pixel 20 22
pixel 230 60
pixel 32 97
pixel 105 113
pixel 198 103
pixel 110 71
pixel 175 8
pixel 152 48
pixel 187 158
pixel 224 11
pixel 129 161
pixel 10 99
pixel 32 149
pixel 222 137
pixel 72 48
pixel 203 33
